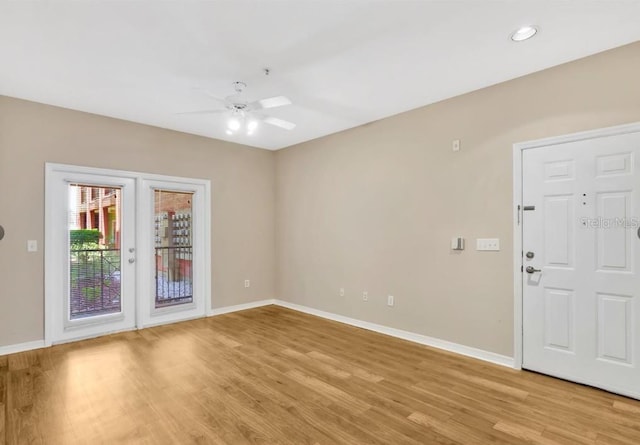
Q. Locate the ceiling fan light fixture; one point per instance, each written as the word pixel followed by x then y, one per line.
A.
pixel 524 33
pixel 252 125
pixel 233 124
pixel 242 115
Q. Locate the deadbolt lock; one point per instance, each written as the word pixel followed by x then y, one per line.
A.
pixel 530 255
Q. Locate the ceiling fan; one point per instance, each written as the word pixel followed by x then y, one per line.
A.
pixel 246 115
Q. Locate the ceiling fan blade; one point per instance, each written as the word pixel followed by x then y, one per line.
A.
pixel 203 112
pixel 271 102
pixel 210 95
pixel 279 123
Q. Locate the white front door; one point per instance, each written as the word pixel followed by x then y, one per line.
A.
pixel 581 248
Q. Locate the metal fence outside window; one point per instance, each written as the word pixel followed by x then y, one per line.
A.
pixel 174 275
pixel 94 282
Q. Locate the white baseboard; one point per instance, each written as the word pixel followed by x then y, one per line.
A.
pixel 21 347
pixel 240 307
pixel 468 351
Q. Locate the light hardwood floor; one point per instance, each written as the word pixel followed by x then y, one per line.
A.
pixel 275 376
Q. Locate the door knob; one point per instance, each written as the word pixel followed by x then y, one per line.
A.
pixel 531 269
pixel 133 260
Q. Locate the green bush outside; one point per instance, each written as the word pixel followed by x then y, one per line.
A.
pixel 84 239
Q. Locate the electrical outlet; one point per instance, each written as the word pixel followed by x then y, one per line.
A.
pixel 342 291
pixel 390 300
pixel 365 296
pixel 247 283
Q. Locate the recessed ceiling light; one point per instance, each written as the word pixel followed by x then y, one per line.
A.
pixel 524 33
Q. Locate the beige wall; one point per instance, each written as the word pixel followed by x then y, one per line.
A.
pixel 242 200
pixel 374 208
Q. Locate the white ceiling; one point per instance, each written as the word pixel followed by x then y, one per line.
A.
pixel 343 62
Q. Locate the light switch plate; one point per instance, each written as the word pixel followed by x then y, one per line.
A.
pixel 457 243
pixel 488 244
pixel 32 245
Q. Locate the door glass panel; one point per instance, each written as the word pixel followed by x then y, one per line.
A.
pixel 173 248
pixel 94 250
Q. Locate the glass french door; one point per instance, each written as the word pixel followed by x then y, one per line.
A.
pixel 94 271
pixel 123 250
pixel 176 279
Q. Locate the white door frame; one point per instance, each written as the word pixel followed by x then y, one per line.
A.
pixel 51 283
pixel 518 148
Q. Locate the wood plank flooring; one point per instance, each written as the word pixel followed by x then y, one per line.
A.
pixel 275 376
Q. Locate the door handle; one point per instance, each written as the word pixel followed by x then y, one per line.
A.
pixel 132 260
pixel 531 269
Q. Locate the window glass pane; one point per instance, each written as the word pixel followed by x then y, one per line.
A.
pixel 94 250
pixel 173 248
